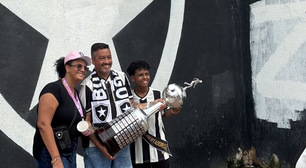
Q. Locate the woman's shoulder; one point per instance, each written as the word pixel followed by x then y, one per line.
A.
pixel 55 84
pixel 52 87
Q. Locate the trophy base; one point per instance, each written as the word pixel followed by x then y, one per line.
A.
pixel 106 137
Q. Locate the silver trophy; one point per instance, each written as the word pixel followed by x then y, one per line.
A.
pixel 124 129
pixel 174 94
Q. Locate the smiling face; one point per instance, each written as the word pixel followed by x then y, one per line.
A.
pixel 102 60
pixel 76 73
pixel 141 78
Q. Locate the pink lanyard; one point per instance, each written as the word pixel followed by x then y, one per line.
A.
pixel 75 100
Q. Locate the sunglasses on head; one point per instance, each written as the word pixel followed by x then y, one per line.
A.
pixel 80 67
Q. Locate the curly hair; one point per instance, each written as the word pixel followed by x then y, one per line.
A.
pixel 137 65
pixel 60 67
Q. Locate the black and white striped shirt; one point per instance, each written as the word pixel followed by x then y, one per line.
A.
pixel 141 151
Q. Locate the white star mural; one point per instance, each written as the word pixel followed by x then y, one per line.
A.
pixel 69 26
pixel 76 25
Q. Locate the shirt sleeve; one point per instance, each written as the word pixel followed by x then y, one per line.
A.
pixel 52 88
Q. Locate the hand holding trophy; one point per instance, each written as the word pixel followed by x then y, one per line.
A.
pixel 124 129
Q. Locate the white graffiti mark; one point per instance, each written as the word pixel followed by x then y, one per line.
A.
pixel 171 45
pixel 75 26
pixel 278 37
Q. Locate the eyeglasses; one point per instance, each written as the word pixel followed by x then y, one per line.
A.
pixel 80 67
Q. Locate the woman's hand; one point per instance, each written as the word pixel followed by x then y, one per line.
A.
pixel 58 163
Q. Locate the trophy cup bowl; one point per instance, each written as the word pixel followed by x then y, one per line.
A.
pixel 124 129
pixel 174 95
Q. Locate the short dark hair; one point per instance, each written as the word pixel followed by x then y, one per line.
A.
pixel 137 65
pixel 98 46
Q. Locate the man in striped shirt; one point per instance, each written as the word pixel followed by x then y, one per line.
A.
pixel 143 154
pixel 105 94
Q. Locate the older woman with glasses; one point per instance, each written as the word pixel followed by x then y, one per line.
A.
pixel 59 107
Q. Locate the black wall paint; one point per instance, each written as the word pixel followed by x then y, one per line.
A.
pixel 218 115
pixel 211 125
pixel 144 37
pixel 22 53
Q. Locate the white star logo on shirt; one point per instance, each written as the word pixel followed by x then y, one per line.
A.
pixel 125 108
pixel 101 112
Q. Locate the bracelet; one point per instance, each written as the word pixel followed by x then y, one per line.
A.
pixel 54 160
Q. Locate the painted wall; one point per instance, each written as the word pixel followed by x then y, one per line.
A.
pixel 249 54
pixel 277 46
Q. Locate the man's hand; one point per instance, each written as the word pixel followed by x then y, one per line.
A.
pixel 105 152
pixel 94 139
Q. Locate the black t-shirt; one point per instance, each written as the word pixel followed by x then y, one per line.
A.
pixel 63 115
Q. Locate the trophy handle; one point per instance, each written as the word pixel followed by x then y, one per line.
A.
pixel 193 83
